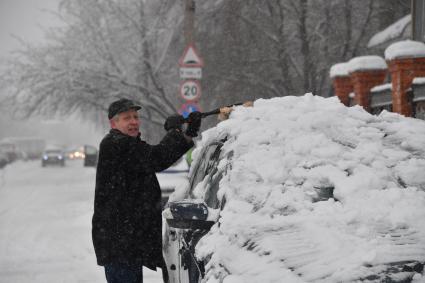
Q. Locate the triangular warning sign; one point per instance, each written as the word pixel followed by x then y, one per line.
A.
pixel 191 58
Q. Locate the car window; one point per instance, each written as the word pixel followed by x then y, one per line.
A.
pixel 211 198
pixel 207 171
pixel 200 170
pixel 214 177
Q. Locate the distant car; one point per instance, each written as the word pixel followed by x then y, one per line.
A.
pixel 172 177
pixel 4 160
pixel 90 156
pixel 75 153
pixel 53 157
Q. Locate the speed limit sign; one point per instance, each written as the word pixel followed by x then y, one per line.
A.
pixel 190 90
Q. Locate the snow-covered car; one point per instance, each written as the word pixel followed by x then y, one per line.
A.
pixel 172 177
pixel 53 157
pixel 301 189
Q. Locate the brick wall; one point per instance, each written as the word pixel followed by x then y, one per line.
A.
pixel 363 81
pixel 343 87
pixel 403 71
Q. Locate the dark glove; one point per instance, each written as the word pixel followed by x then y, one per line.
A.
pixel 194 124
pixel 174 122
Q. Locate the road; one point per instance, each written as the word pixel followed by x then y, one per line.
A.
pixel 45 225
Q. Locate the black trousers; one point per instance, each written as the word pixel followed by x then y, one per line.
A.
pixel 123 273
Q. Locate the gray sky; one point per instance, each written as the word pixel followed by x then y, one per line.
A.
pixel 26 19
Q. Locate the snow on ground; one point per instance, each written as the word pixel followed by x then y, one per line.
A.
pixel 45 225
pixel 286 153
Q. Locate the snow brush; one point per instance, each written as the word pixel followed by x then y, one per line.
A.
pixel 223 112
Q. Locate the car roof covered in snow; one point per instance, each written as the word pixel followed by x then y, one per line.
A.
pixel 275 227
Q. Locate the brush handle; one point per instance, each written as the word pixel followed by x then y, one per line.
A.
pixel 213 112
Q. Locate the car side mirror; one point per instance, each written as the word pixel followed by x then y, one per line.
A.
pixel 186 214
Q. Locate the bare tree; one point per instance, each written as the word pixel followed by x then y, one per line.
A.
pixel 105 50
pixel 281 47
pixel 251 48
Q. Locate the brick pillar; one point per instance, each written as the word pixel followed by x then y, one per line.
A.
pixel 342 86
pixel 363 81
pixel 403 71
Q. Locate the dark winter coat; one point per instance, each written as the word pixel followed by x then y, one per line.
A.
pixel 126 225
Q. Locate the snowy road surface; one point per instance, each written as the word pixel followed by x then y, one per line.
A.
pixel 45 225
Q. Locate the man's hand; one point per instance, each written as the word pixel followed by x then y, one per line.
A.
pixel 174 122
pixel 194 124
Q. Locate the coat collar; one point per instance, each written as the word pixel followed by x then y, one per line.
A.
pixel 119 133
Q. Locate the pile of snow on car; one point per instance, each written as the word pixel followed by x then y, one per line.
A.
pixel 317 192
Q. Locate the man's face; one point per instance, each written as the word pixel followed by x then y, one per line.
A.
pixel 127 123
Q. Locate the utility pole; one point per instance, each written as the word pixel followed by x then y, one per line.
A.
pixel 190 65
pixel 189 21
pixel 418 19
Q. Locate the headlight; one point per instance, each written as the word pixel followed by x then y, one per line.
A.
pixel 60 157
pixel 45 157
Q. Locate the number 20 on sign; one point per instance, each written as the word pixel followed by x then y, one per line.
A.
pixel 190 90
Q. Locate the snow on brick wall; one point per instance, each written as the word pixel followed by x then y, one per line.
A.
pixel 363 63
pixel 419 80
pixel 382 87
pixel 405 49
pixel 339 70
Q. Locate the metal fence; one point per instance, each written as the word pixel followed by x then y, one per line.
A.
pixel 382 100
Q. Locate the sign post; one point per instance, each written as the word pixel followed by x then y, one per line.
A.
pixel 190 87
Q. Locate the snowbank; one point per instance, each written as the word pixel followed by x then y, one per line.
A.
pixel 277 226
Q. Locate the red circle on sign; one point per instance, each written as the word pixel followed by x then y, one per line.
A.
pixel 190 90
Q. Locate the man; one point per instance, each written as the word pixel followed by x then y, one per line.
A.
pixel 127 208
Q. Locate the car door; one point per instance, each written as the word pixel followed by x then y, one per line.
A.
pixel 179 244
